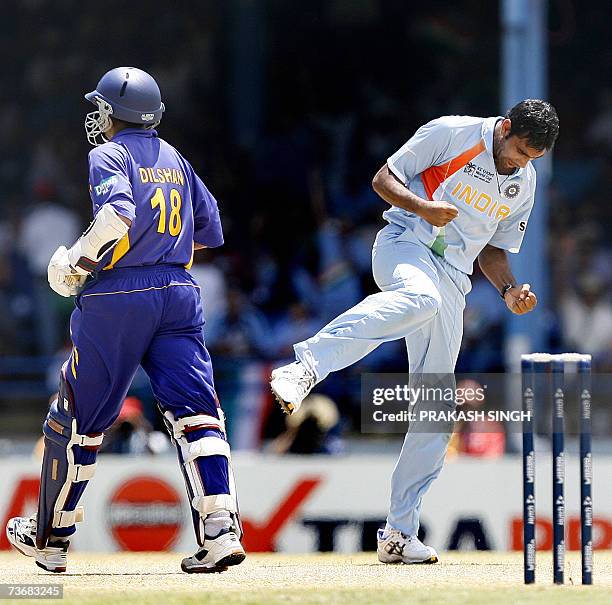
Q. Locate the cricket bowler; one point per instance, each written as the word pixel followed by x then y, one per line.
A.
pixel 460 189
pixel 136 304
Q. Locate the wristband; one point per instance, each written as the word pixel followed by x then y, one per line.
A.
pixel 504 290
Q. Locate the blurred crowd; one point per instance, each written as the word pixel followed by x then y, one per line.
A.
pixel 299 214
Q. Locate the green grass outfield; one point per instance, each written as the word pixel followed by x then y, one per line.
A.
pixel 472 578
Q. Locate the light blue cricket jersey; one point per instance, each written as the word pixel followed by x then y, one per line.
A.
pixel 451 159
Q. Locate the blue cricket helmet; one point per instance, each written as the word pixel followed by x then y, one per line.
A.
pixel 126 93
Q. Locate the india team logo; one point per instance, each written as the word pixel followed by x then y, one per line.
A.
pixel 512 190
pixel 145 513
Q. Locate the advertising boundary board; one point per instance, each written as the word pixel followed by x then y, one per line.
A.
pixel 304 504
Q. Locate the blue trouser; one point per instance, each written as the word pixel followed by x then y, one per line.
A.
pixel 149 316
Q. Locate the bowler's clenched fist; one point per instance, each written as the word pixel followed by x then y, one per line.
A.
pixel 439 214
pixel 520 299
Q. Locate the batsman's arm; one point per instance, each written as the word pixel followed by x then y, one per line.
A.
pixel 394 192
pixel 496 268
pixel 102 235
pixel 68 269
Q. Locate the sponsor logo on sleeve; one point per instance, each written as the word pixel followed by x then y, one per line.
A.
pixel 105 185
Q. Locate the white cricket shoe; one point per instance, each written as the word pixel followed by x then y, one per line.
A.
pixel 396 547
pixel 216 555
pixel 21 533
pixel 290 385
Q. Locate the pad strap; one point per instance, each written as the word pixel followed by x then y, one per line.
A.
pixel 206 446
pixel 212 504
pixel 88 440
pixel 81 472
pixel 67 518
pixel 193 422
pixel 76 439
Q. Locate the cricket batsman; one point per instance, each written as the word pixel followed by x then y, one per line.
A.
pixel 460 189
pixel 136 304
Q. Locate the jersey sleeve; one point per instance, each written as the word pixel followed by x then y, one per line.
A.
pixel 109 182
pixel 511 231
pixel 206 221
pixel 427 147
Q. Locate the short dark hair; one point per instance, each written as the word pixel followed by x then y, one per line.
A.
pixel 536 121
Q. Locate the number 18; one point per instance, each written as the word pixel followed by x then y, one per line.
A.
pixel 174 226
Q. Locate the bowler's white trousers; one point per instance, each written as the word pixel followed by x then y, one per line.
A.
pixel 422 300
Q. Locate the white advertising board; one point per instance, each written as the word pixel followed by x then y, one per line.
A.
pixel 303 504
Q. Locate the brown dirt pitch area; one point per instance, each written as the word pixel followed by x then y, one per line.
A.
pixel 472 578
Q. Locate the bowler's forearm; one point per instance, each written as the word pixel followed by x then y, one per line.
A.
pixel 394 192
pixel 496 267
